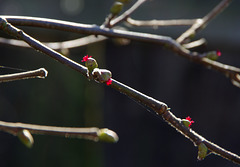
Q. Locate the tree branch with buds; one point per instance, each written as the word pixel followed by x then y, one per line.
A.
pixel 92 72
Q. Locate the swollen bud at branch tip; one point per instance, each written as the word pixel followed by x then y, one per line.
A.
pixel 202 151
pixel 26 138
pixel 107 135
pixel 116 8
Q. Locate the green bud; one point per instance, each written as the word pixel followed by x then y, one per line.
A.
pixel 202 151
pixel 107 135
pixel 91 64
pixel 212 55
pixel 185 122
pixel 101 75
pixel 26 138
pixel 116 8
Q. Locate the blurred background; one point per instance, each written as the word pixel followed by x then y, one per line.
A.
pixel 66 98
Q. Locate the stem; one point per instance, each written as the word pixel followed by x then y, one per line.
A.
pixel 58 45
pixel 156 23
pixel 86 133
pixel 39 73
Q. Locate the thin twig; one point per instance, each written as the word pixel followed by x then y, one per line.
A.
pixel 126 14
pixel 159 107
pixel 160 23
pixel 202 23
pixel 227 70
pixel 194 44
pixel 39 73
pixel 58 45
pixel 92 133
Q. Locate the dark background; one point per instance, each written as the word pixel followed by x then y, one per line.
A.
pixel 65 98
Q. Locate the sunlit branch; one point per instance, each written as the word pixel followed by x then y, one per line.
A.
pixel 58 45
pixel 39 73
pixel 160 23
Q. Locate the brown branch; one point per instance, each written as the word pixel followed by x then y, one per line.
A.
pixel 58 45
pixel 194 44
pixel 156 23
pixel 69 132
pixel 39 73
pixel 202 23
pixel 159 107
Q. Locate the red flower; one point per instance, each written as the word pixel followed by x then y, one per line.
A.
pixel 218 53
pixel 109 82
pixel 190 120
pixel 85 58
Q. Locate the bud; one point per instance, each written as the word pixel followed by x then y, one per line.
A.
pixel 116 8
pixel 101 75
pixel 26 138
pixel 185 122
pixel 107 135
pixel 91 64
pixel 202 151
pixel 213 55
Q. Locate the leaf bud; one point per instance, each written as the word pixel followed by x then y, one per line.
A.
pixel 26 138
pixel 107 135
pixel 116 8
pixel 202 151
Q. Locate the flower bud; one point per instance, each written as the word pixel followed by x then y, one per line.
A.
pixel 107 135
pixel 202 151
pixel 185 122
pixel 91 63
pixel 116 8
pixel 101 75
pixel 26 138
pixel 213 55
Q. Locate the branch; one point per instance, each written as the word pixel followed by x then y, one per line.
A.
pixel 158 107
pixel 94 134
pixel 156 23
pixel 228 70
pixel 39 73
pixel 58 45
pixel 202 23
pixel 161 109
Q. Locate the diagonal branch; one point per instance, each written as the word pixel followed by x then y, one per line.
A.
pixel 202 23
pixel 158 107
